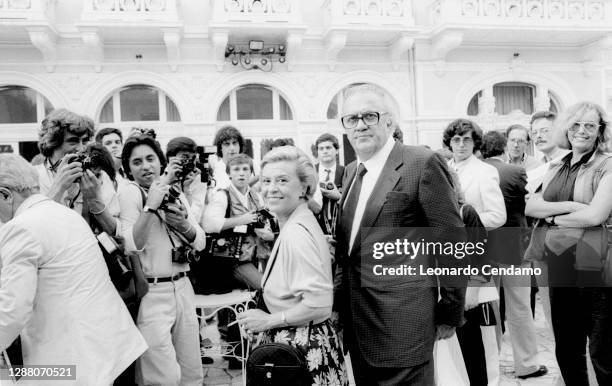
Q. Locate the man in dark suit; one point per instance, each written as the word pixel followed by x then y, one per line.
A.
pixel 393 192
pixel 516 288
pixel 330 180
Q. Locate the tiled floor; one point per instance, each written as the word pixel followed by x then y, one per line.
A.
pixel 218 374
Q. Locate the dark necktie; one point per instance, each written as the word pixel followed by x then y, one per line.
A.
pixel 328 171
pixel 350 203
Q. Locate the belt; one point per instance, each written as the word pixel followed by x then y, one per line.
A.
pixel 166 279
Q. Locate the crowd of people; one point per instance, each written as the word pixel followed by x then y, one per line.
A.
pixel 106 239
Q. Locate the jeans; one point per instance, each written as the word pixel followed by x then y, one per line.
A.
pixel 579 313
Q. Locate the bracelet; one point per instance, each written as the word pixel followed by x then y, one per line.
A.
pixel 100 212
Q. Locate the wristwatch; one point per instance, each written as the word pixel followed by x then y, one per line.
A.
pixel 149 209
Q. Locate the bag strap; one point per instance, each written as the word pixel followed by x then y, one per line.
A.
pixel 228 209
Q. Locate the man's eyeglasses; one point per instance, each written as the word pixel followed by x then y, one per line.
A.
pixel 518 141
pixel 465 140
pixel 370 118
pixel 588 126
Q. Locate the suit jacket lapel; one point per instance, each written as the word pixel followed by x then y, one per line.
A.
pixel 387 180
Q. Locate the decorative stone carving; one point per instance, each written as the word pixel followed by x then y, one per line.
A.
pixel 556 9
pixel 596 11
pixel 234 5
pixel 281 6
pixel 514 8
pixel 575 10
pixel 492 8
pixel 535 9
pixel 258 6
pixel 394 8
pixel 469 8
pixel 352 7
pixel 373 8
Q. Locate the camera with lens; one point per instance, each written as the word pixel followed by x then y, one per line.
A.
pixel 188 164
pixel 262 216
pixel 327 185
pixel 183 255
pixel 171 198
pixel 204 152
pixel 87 162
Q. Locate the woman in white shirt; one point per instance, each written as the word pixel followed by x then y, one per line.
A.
pixel 297 284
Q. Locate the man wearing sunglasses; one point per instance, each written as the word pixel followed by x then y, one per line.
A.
pixel 393 191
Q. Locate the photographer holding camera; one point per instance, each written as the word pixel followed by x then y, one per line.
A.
pixel 62 135
pixel 157 222
pixel 234 213
pixel 189 178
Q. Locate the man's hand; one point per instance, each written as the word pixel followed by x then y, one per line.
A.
pixel 190 178
pixel 176 216
pixel 172 169
pixel 444 331
pixel 332 194
pixel 90 187
pixel 157 192
pixel 331 243
pixel 67 174
pixel 471 298
pixel 248 218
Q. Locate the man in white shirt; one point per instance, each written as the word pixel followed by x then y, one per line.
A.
pixel 542 131
pixel 112 139
pixel 54 286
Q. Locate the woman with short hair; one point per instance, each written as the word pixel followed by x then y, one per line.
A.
pixel 297 283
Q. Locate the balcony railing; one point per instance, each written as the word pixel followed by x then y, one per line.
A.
pixel 568 13
pixel 26 9
pixel 373 12
pixel 255 10
pixel 137 10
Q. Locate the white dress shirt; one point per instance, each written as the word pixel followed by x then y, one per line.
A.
pixel 155 256
pixel 374 167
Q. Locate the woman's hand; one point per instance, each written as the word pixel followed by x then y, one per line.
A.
pixel 255 321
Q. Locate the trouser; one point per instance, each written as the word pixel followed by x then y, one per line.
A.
pixel 472 344
pixel 542 281
pixel 579 313
pixel 366 375
pixel 168 322
pixel 521 326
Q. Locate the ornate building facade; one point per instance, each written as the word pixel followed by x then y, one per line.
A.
pixel 276 68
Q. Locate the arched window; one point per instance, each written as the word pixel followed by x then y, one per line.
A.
pixel 20 104
pixel 139 103
pixel 254 102
pixel 512 98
